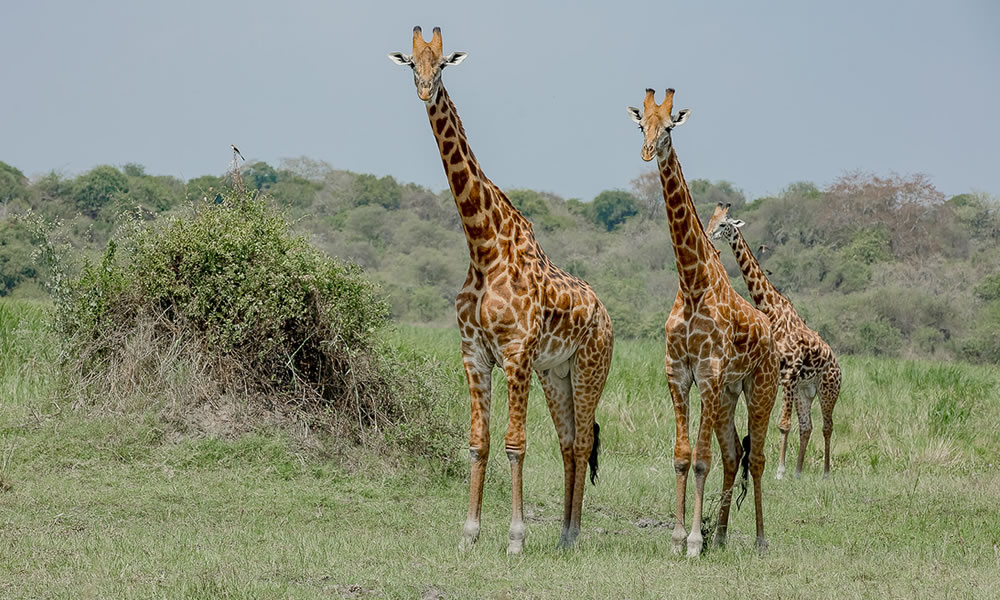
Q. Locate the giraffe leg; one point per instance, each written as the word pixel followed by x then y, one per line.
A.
pixel 784 426
pixel 559 397
pixel 760 392
pixel 518 383
pixel 711 400
pixel 828 393
pixel 679 391
pixel 589 373
pixel 804 405
pixel 730 448
pixel 479 378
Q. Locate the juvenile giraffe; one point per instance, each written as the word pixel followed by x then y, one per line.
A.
pixel 517 311
pixel 807 363
pixel 714 339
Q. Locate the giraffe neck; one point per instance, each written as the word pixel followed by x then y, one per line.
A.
pixel 765 296
pixel 491 223
pixel 697 260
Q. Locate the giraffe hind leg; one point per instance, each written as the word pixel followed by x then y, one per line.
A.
pixel 828 394
pixel 805 395
pixel 588 376
pixel 559 398
pixel 760 392
pixel 729 446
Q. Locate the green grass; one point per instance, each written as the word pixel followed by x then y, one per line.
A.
pixel 101 505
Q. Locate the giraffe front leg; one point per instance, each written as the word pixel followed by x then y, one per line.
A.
pixel 710 405
pixel 480 384
pixel 518 385
pixel 682 458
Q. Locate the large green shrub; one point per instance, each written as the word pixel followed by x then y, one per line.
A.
pixel 253 309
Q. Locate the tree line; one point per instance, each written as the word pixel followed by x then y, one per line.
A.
pixel 878 265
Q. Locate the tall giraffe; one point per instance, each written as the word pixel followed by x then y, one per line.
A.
pixel 517 311
pixel 807 363
pixel 714 339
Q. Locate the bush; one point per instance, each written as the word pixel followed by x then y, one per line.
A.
pixel 229 306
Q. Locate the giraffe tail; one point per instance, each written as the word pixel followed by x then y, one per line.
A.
pixel 593 454
pixel 745 463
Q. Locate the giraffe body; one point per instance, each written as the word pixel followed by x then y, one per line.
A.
pixel 808 366
pixel 517 311
pixel 714 339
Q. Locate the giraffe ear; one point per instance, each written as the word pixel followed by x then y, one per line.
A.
pixel 401 59
pixel 634 113
pixel 680 117
pixel 737 223
pixel 453 59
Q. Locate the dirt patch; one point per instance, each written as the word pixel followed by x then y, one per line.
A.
pixel 650 523
pixel 432 592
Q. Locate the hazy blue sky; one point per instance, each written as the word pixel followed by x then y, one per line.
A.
pixel 779 91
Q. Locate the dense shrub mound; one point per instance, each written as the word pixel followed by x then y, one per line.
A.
pixel 230 322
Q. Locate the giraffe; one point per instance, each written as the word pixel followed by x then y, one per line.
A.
pixel 714 339
pixel 519 311
pixel 807 363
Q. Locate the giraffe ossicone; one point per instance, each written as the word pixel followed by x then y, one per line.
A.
pixel 517 311
pixel 714 339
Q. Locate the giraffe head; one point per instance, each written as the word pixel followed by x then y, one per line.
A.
pixel 721 226
pixel 656 122
pixel 427 62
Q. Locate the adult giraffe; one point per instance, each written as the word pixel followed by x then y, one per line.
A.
pixel 518 311
pixel 714 339
pixel 806 362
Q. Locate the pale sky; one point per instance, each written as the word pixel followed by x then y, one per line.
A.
pixel 779 91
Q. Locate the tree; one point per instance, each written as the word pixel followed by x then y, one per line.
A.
pixel 612 207
pixel 13 188
pixel 97 188
pixel 648 192
pixel 260 175
pixel 369 189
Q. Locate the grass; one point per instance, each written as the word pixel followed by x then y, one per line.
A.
pixel 97 505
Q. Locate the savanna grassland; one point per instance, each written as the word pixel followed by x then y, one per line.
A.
pixel 102 501
pixel 249 386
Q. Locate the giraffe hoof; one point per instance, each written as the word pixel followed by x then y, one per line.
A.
pixel 780 474
pixel 695 545
pixel 761 546
pixel 719 541
pixel 679 537
pixel 470 533
pixel 515 547
pixel 466 543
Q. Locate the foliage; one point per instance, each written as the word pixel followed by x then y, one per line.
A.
pixel 612 207
pixel 989 288
pixel 372 190
pixel 840 248
pixel 230 293
pixel 98 188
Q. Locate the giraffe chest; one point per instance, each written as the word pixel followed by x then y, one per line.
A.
pixel 506 315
